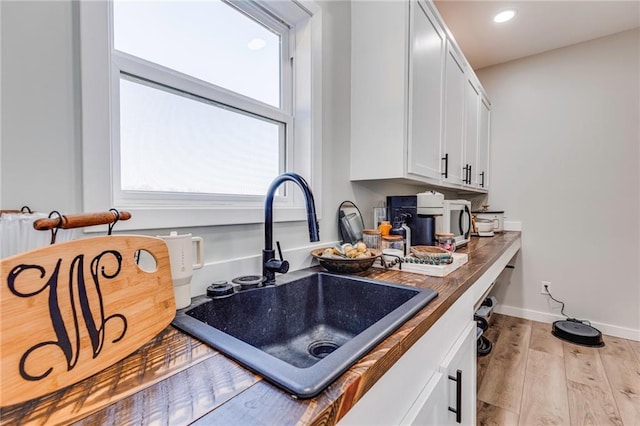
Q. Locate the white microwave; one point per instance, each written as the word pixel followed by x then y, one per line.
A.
pixel 456 220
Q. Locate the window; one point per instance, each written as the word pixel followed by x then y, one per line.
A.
pixel 191 109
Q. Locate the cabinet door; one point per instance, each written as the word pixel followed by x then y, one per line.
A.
pixel 460 369
pixel 454 101
pixel 426 56
pixel 431 406
pixel 472 96
pixel 379 80
pixel 483 143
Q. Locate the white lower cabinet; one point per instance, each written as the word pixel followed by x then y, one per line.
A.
pixel 449 397
pixel 459 367
pixel 417 390
pixel 429 408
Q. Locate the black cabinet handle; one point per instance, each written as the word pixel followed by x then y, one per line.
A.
pixel 446 166
pixel 469 175
pixel 458 409
pixel 482 182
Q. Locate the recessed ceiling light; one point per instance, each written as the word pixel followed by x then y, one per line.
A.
pixel 504 16
pixel 256 44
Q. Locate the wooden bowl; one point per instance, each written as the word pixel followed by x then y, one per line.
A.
pixel 430 252
pixel 345 265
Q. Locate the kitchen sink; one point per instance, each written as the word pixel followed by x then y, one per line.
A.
pixel 301 335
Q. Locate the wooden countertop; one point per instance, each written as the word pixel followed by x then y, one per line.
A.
pixel 175 379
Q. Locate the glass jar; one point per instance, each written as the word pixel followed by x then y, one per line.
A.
pixel 446 241
pixel 379 215
pixel 392 246
pixel 385 227
pixel 372 238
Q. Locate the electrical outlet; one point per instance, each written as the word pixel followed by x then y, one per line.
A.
pixel 545 287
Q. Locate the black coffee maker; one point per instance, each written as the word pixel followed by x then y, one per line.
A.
pixel 419 212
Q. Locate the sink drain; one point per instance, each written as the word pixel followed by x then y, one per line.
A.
pixel 322 348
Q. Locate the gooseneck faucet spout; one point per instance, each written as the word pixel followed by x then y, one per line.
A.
pixel 271 265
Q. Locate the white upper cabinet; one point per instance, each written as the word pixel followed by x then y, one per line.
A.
pixel 476 137
pixel 409 100
pixel 453 136
pixel 484 130
pixel 472 98
pixel 379 86
pixel 425 92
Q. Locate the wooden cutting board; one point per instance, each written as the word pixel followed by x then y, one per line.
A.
pixel 69 310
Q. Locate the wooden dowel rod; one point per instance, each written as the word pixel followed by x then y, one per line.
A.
pixel 79 220
pixel 22 210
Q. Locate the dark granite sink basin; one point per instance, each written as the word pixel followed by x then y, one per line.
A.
pixel 303 334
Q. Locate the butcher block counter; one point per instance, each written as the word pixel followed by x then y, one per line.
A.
pixel 175 379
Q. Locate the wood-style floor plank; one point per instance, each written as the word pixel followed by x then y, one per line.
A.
pixel 591 400
pixel 635 346
pixel 623 371
pixel 503 380
pixel 601 386
pixel 617 347
pixel 542 340
pixel 583 365
pixel 591 404
pixel 544 398
pixel 490 415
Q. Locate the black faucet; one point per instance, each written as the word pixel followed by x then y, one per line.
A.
pixel 271 265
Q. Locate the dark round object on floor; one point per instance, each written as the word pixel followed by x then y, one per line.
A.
pixel 484 346
pixel 578 333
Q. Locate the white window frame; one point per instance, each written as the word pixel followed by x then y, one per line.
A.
pixel 100 75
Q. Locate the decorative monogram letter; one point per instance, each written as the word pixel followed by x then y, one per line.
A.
pixel 80 295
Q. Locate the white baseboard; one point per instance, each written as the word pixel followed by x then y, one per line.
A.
pixel 608 329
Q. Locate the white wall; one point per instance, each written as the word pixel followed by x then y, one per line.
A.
pixel 40 90
pixel 41 134
pixel 41 118
pixel 564 161
pixel 40 157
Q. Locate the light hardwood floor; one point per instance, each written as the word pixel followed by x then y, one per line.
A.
pixel 533 378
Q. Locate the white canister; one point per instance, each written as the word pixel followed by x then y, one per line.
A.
pixel 182 266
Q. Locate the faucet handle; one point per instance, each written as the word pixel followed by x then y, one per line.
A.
pixel 276 265
pixel 279 250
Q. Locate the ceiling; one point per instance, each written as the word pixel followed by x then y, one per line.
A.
pixel 538 26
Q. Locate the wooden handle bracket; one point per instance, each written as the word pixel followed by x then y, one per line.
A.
pixel 24 209
pixel 80 220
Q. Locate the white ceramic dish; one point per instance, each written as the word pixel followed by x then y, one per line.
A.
pixel 484 226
